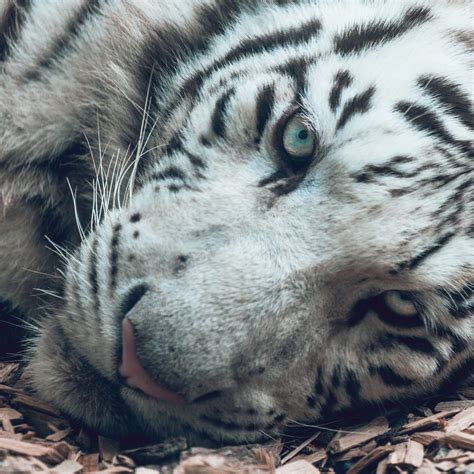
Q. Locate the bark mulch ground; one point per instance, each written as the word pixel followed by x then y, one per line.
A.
pixel 435 437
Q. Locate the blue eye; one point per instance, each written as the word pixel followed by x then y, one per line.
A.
pixel 299 141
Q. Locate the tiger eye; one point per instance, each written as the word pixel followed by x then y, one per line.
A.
pixel 299 141
pixel 400 303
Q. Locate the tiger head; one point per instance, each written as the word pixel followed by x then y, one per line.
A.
pixel 299 237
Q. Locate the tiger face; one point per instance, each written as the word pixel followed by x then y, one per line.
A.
pixel 299 239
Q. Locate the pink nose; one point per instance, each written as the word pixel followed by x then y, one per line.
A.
pixel 132 370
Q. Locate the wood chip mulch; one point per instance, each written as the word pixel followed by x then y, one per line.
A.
pixel 435 438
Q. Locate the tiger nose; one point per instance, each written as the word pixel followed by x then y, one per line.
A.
pixel 142 372
pixel 136 376
pixel 131 368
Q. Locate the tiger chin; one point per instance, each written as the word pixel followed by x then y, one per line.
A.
pixel 274 204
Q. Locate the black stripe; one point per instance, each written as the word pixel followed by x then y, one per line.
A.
pixel 114 255
pixel 390 377
pixel 343 80
pixel 11 24
pixel 93 273
pixel 353 386
pixel 311 401
pixel 264 43
pixel 458 376
pixel 460 302
pixel 274 177
pixel 421 257
pixel 219 113
pixel 336 377
pixel 450 95
pixel 359 104
pixel 329 404
pixel 288 186
pixel 172 172
pixel 414 343
pixel 264 108
pixel 318 382
pixel 362 37
pixel 75 289
pixel 369 173
pixel 195 160
pixel 62 43
pixel 427 121
pixel 297 68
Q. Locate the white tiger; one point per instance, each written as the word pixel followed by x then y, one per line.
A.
pixel 274 200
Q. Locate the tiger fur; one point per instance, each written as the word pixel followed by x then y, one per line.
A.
pixel 200 274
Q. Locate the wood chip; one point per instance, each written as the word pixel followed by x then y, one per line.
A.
pixel 461 421
pixel 365 433
pixel 7 425
pixel 446 466
pixel 53 454
pixel 374 456
pixel 427 468
pixel 428 437
pixel 414 454
pixel 319 455
pixel 410 453
pixel 428 422
pixel 59 435
pixel 459 440
pixel 454 405
pixel 124 461
pixel 90 462
pixel 10 414
pixel 146 470
pixel 68 467
pixel 299 448
pixel 382 467
pixel 298 467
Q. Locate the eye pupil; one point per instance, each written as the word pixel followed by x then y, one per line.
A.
pixel 303 135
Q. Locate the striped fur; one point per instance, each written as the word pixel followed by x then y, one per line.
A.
pixel 266 291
